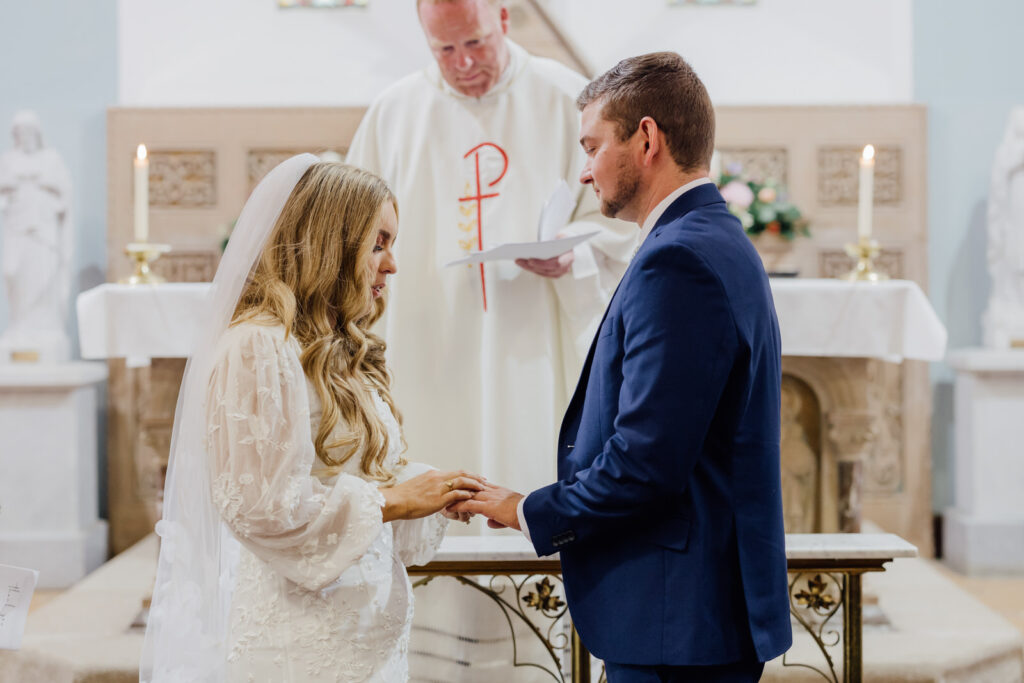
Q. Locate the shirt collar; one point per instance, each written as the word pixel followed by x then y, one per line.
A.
pixel 653 216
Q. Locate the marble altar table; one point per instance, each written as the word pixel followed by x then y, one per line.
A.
pixel 825 580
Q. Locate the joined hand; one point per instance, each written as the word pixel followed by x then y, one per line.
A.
pixel 499 505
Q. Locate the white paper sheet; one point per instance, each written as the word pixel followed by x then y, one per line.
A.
pixel 16 587
pixel 556 212
pixel 511 251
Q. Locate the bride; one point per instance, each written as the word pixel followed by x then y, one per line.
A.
pixel 289 511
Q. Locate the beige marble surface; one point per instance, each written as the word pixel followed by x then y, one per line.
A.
pixel 798 547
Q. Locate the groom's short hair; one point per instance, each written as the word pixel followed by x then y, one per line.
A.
pixel 663 86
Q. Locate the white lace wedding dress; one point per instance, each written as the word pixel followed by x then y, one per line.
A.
pixel 321 592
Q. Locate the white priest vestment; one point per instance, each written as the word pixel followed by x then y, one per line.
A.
pixel 484 360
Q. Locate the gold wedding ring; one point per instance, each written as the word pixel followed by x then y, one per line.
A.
pixel 450 484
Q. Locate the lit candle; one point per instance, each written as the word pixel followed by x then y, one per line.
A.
pixel 141 195
pixel 867 193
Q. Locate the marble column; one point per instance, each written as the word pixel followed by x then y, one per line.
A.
pixel 984 531
pixel 49 489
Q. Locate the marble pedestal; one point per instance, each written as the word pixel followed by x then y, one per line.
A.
pixel 49 489
pixel 984 531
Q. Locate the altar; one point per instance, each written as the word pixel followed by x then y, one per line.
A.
pixel 847 451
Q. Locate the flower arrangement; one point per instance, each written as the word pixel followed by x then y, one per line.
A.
pixel 761 206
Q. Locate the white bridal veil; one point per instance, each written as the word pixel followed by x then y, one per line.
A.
pixel 185 638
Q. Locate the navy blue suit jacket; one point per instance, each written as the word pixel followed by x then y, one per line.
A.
pixel 668 509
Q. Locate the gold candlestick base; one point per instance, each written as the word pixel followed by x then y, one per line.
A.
pixel 143 253
pixel 865 251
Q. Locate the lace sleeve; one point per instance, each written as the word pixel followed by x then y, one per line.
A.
pixel 416 540
pixel 261 452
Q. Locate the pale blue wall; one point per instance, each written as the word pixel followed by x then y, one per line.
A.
pixel 59 59
pixel 969 71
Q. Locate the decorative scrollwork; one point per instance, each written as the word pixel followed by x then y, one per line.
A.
pixel 544 600
pixel 813 601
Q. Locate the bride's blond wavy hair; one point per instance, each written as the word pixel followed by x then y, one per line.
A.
pixel 314 277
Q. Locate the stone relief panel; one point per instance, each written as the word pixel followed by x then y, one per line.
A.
pixel 757 163
pixel 157 395
pixel 259 161
pixel 884 466
pixel 182 179
pixel 839 175
pixel 801 457
pixel 834 263
pixel 188 265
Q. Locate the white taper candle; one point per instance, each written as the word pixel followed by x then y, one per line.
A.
pixel 866 200
pixel 141 195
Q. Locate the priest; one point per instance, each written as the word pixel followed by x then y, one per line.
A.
pixel 484 357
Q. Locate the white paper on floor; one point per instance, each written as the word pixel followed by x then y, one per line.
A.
pixel 16 587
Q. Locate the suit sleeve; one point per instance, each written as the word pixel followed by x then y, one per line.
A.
pixel 679 344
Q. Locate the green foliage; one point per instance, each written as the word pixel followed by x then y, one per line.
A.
pixel 765 208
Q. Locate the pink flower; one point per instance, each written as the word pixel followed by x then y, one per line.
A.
pixel 738 194
pixel 767 195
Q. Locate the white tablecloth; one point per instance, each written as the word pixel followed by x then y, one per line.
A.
pixel 889 320
pixel 139 321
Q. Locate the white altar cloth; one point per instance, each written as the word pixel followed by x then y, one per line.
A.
pixel 890 320
pixel 139 321
pixel 829 318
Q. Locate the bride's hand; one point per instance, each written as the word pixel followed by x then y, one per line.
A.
pixel 457 516
pixel 428 493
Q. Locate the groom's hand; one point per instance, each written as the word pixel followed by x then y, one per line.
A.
pixel 497 504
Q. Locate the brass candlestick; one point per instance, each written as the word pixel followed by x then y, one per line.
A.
pixel 865 251
pixel 144 253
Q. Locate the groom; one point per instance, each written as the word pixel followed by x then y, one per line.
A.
pixel 667 513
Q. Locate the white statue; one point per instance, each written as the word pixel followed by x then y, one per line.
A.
pixel 35 206
pixel 1004 319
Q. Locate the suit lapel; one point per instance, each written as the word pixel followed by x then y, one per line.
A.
pixel 701 195
pixel 576 403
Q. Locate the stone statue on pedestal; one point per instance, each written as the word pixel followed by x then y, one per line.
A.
pixel 1004 318
pixel 35 219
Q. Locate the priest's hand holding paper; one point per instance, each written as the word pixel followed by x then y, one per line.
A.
pixel 555 215
pixel 552 267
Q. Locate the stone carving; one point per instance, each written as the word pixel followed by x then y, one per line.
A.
pixel 35 200
pixel 157 397
pixel 834 263
pixel 853 432
pixel 182 178
pixel 839 175
pixel 259 161
pixel 883 468
pixel 182 265
pixel 758 163
pixel 801 453
pixel 1004 317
